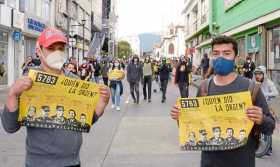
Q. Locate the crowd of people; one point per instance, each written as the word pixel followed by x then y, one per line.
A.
pixel 64 145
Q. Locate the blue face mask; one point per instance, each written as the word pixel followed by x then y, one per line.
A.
pixel 223 66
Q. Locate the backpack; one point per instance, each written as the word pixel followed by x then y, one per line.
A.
pixel 254 88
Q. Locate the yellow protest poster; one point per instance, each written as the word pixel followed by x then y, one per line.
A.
pixel 116 74
pixel 213 123
pixel 56 101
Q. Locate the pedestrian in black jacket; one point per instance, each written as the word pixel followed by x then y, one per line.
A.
pixel 249 68
pixel 134 76
pixel 164 73
pixel 182 77
pixel 204 65
pixel 96 71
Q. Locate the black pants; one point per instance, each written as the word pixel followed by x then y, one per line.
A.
pixel 163 88
pixel 105 81
pixel 184 89
pixel 147 81
pixel 134 87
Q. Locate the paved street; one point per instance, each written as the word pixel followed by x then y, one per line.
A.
pixel 138 136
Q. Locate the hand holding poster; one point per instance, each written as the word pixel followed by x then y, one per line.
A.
pixel 213 123
pixel 56 101
pixel 116 74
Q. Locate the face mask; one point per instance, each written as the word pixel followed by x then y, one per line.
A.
pixel 116 64
pixel 223 66
pixel 56 59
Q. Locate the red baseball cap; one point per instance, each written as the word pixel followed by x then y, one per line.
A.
pixel 50 36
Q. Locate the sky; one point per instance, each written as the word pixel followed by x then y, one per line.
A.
pixel 144 16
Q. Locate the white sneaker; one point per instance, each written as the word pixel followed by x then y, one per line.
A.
pixel 118 108
pixel 113 106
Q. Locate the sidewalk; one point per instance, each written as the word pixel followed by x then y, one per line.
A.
pixel 3 96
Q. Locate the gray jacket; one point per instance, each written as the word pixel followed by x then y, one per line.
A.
pixel 46 147
pixel 134 72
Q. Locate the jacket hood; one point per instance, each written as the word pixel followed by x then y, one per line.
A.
pixel 260 69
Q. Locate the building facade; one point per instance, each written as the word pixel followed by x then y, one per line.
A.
pixel 110 26
pixel 21 23
pixel 197 18
pixel 255 24
pixel 173 41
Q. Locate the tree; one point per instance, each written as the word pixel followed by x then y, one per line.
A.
pixel 124 49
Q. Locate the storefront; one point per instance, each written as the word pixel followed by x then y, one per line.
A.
pixel 4 36
pixel 254 46
pixel 32 29
pixel 241 48
pixel 273 58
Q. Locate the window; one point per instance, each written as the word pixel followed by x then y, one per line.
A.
pixel 46 9
pixel 22 6
pixel 30 6
pixel 74 10
pixel 12 3
pixel 203 12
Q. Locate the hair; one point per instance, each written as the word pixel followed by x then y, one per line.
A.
pixel 230 129
pixel 46 107
pixel 243 130
pixel 83 115
pixel 216 128
pixel 73 111
pixel 57 107
pixel 225 40
pixel 119 67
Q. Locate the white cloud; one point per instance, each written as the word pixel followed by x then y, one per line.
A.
pixel 139 16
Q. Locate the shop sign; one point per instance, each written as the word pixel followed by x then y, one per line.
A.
pixel 17 35
pixel 254 43
pixel 35 25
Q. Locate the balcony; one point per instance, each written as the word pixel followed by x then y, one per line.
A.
pixel 197 25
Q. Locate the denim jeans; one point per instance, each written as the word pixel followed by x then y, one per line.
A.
pixel 96 79
pixel 116 97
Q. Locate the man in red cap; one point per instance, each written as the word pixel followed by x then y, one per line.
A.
pixel 48 147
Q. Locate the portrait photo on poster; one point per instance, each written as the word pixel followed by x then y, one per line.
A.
pixel 58 102
pixel 214 123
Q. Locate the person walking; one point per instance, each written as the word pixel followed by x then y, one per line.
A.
pixel 248 68
pixel 116 84
pixel 96 71
pixel 268 88
pixel 164 74
pixel 104 72
pixel 48 147
pixel 147 80
pixel 204 65
pixel 134 76
pixel 85 70
pixel 182 77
